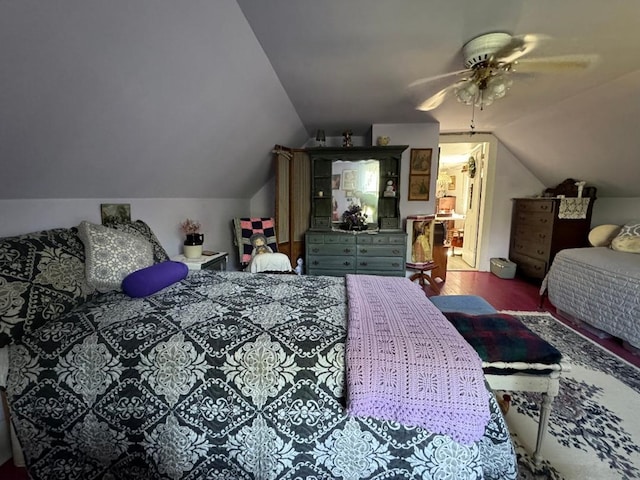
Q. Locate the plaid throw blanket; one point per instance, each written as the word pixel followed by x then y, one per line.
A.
pixel 499 337
pixel 406 363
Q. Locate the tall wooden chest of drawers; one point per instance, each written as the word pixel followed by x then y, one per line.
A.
pixel 337 253
pixel 537 234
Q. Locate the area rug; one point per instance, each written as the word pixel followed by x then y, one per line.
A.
pixel 594 428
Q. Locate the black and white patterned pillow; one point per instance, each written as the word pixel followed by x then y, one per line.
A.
pixel 111 255
pixel 42 276
pixel 141 228
pixel 628 240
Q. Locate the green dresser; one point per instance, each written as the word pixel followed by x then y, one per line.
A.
pixel 337 253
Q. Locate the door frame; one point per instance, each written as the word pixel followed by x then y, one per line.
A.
pixel 487 172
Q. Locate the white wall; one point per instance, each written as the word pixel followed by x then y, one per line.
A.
pixel 615 210
pixel 507 178
pixel 416 135
pixel 163 215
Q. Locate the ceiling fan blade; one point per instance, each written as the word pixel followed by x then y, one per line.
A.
pixel 562 63
pixel 422 81
pixel 518 46
pixel 436 100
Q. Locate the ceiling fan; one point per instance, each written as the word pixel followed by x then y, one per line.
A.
pixel 490 61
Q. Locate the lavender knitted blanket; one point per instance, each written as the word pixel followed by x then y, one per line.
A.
pixel 407 363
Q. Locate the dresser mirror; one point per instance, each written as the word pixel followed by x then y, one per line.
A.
pixel 355 183
pixel 364 176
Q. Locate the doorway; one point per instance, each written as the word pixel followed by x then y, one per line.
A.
pixel 459 192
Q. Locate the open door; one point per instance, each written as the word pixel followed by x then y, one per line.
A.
pixel 472 215
pixel 462 168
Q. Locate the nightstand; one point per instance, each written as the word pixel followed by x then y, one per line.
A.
pixel 205 262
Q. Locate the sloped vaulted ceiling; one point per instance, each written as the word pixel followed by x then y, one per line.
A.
pixel 136 98
pixel 160 98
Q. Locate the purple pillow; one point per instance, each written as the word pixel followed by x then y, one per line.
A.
pixel 146 281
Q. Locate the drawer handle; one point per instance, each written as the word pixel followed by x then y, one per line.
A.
pixel 395 264
pixel 315 262
pixel 346 264
pixel 540 252
pixel 363 250
pixel 544 207
pixel 347 250
pixel 396 251
pixel 363 264
pixel 543 220
pixel 315 250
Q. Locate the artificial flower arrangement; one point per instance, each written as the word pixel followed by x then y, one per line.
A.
pixel 354 218
pixel 190 226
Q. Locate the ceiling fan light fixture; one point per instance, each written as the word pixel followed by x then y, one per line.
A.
pixel 467 93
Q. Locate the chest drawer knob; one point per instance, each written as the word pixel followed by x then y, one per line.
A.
pixel 395 251
pixel 363 250
pixel 315 262
pixel 346 264
pixel 315 250
pixel 363 264
pixel 347 250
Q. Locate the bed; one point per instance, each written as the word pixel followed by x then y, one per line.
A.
pixel 600 285
pixel 217 375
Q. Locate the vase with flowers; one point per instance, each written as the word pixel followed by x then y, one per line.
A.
pixel 194 239
pixel 354 219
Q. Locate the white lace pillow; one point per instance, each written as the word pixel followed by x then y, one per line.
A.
pixel 628 240
pixel 111 255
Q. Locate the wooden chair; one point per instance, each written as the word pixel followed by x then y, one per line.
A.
pixel 257 245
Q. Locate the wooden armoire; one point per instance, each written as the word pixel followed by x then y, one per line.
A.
pixel 293 200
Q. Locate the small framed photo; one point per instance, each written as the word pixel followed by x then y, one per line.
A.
pixel 419 187
pixel 335 182
pixel 452 183
pixel 115 212
pixel 349 178
pixel 420 161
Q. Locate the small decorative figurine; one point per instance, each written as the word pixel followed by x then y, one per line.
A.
pixel 299 264
pixel 346 141
pixel 390 189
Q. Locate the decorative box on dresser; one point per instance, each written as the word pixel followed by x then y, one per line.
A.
pixel 538 231
pixel 337 253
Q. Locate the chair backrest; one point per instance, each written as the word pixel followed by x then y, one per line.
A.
pixel 245 228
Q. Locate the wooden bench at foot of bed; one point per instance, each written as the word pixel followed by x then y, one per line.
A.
pixel 525 375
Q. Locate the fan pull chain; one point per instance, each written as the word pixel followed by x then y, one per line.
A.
pixel 473 117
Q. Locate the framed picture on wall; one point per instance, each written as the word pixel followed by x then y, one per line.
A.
pixel 420 161
pixel 452 182
pixel 419 187
pixel 349 178
pixel 335 182
pixel 115 212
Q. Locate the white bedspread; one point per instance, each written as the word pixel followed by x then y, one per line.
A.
pixel 270 262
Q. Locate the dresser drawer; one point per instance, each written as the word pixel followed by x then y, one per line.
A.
pixel 542 221
pixel 535 206
pixel 323 249
pixel 366 264
pixel 381 239
pixel 329 262
pixel 533 233
pixel 528 266
pixel 531 248
pixel 381 250
pixel 340 239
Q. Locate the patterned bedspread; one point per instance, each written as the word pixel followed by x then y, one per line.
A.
pixel 221 376
pixel 599 286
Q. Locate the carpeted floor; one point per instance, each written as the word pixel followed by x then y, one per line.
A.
pixel 594 429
